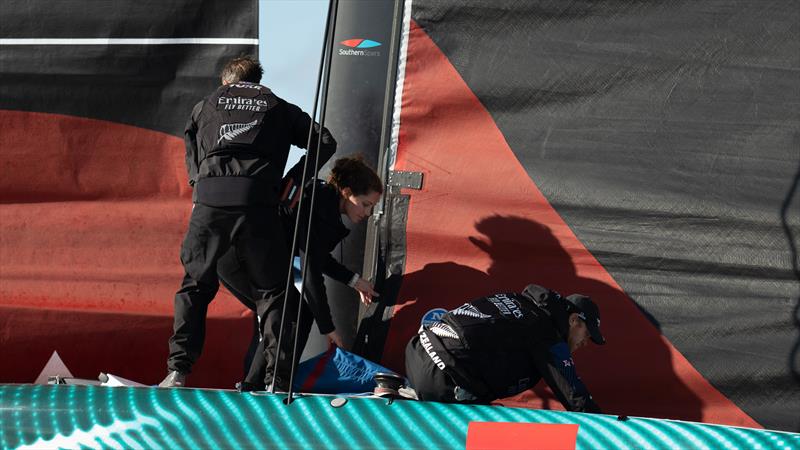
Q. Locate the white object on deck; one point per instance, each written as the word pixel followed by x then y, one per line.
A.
pixel 115 380
pixel 54 367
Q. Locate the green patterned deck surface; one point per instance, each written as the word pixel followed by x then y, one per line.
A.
pixel 99 417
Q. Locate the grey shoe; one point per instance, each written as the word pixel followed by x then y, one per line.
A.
pixel 407 392
pixel 174 379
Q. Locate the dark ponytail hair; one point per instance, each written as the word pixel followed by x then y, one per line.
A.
pixel 352 172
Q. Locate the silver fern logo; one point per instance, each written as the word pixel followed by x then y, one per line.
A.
pixel 443 330
pixel 470 311
pixel 229 131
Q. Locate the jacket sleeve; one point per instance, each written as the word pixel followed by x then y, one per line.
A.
pixel 190 139
pixel 301 123
pixel 334 269
pixel 316 295
pixel 556 366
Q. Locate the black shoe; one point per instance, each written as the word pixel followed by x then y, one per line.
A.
pixel 280 386
pixel 244 386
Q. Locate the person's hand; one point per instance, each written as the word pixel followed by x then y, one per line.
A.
pixel 335 339
pixel 366 291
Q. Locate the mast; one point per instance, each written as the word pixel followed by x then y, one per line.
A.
pixel 360 102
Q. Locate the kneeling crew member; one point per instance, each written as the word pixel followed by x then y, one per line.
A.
pixel 501 345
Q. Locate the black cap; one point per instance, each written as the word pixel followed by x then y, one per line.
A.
pixel 590 314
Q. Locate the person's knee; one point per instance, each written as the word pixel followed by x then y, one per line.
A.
pixel 196 293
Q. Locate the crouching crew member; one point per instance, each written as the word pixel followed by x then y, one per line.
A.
pixel 352 190
pixel 500 345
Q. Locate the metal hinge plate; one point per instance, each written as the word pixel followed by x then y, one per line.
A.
pixel 403 179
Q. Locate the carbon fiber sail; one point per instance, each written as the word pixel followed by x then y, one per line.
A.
pixel 643 153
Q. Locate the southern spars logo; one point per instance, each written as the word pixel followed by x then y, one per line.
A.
pixel 358 47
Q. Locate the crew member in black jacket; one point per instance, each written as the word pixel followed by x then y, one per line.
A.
pixel 237 143
pixel 501 345
pixel 353 189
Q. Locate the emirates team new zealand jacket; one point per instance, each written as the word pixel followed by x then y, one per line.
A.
pixel 501 345
pixel 237 143
pixel 327 231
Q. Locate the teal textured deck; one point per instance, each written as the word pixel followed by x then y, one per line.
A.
pixel 99 417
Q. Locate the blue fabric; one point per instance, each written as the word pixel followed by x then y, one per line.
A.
pixel 561 358
pixel 344 372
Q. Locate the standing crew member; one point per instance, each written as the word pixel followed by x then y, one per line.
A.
pixel 237 143
pixel 353 189
pixel 501 345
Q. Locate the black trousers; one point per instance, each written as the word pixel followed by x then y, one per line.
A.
pixel 252 237
pixel 430 382
pixel 258 374
pixel 255 368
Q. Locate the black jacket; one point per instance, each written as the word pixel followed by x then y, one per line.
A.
pixel 327 231
pixel 501 345
pixel 238 140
